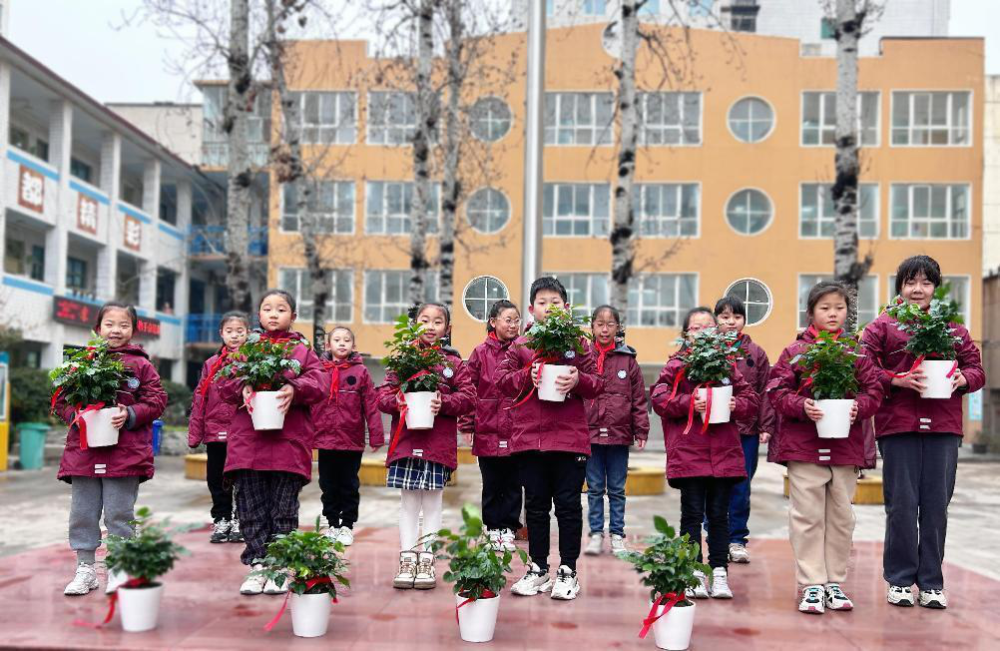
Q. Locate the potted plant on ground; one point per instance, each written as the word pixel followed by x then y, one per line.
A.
pixel 478 573
pixel 414 366
pixel 265 366
pixel 88 381
pixel 709 359
pixel 560 336
pixel 668 566
pixel 313 567
pixel 932 339
pixel 828 369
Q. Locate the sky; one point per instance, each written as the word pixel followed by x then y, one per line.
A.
pixel 94 45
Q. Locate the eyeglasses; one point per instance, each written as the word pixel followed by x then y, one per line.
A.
pixel 510 322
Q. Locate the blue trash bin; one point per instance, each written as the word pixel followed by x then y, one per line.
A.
pixel 157 435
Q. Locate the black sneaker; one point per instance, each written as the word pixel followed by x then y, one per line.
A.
pixel 220 532
pixel 235 535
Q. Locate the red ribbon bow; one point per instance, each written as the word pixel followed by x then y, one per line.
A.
pixel 81 424
pixel 400 397
pixel 319 580
pixel 112 600
pixel 487 594
pixel 542 361
pixel 672 599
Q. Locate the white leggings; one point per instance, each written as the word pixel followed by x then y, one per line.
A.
pixel 411 503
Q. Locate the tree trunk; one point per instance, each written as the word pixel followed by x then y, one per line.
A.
pixel 239 104
pixel 623 227
pixel 452 188
pixel 426 124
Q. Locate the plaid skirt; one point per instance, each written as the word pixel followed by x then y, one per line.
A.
pixel 417 474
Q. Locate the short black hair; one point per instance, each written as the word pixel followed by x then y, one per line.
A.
pixel 824 288
pixel 497 309
pixel 732 303
pixel 278 292
pixel 234 315
pixel 915 265
pixel 606 308
pixel 701 309
pixel 117 305
pixel 550 283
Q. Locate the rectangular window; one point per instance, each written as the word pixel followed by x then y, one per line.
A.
pixel 36 263
pixel 330 204
pixel 661 300
pixel 669 118
pixel 27 141
pixel 338 305
pixel 827 29
pixel 325 118
pixel 868 305
pixel 959 292
pixel 213 116
pixel 935 211
pixel 24 259
pixel 168 203
pixel 667 209
pixel 387 294
pixel 392 118
pixel 81 170
pixel 576 209
pixel 131 190
pixel 76 275
pixel 819 118
pixel 166 281
pixel 594 7
pixel 579 118
pixel 585 290
pixel 389 205
pixel 921 119
pixel 817 214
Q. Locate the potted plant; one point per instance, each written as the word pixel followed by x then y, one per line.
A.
pixel 709 359
pixel 560 336
pixel 828 368
pixel 667 566
pixel 932 339
pixel 478 573
pixel 265 366
pixel 88 381
pixel 144 558
pixel 414 367
pixel 313 567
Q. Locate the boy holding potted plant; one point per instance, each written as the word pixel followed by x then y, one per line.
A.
pixel 919 437
pixel 109 385
pixel 551 438
pixel 817 376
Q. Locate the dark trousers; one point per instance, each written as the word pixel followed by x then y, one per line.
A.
pixel 739 502
pixel 553 478
pixel 338 479
pixel 701 498
pixel 222 493
pixel 918 480
pixel 268 504
pixel 501 493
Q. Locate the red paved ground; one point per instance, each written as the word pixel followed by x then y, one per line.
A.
pixel 203 610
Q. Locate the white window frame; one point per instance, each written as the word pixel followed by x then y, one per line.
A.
pixel 410 129
pixel 822 115
pixel 589 276
pixel 770 221
pixel 770 132
pixel 332 304
pixel 642 99
pixel 822 220
pixel 770 297
pixel 506 199
pixel 637 306
pixel 800 309
pixel 911 92
pixel 433 219
pixel 485 299
pixel 641 218
pixel 432 277
pixel 603 135
pixel 334 216
pixel 490 119
pixel 339 97
pixel 591 219
pixel 948 218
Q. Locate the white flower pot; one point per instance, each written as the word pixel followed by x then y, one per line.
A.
pixel 673 630
pixel 310 614
pixel 936 378
pixel 265 414
pixel 547 384
pixel 140 608
pixel 477 620
pixel 418 409
pixel 836 420
pixel 100 432
pixel 720 403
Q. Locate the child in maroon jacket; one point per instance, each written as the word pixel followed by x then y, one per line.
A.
pixel 822 473
pixel 340 421
pixel 106 480
pixel 420 462
pixel 617 418
pixel 919 440
pixel 209 424
pixel 489 428
pixel 704 466
pixel 551 441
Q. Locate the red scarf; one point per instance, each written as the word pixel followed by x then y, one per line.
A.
pixel 601 354
pixel 213 370
pixel 814 333
pixel 335 368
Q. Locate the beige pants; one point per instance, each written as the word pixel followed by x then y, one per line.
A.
pixel 821 520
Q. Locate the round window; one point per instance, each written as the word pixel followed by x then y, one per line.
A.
pixel 490 119
pixel 755 296
pixel 751 119
pixel 480 295
pixel 749 211
pixel 487 210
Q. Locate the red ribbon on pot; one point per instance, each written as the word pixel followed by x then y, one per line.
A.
pixel 542 361
pixel 671 600
pixel 335 369
pixel 82 424
pixel 677 382
pixel 310 584
pixel 112 600
pixel 401 397
pixel 708 408
pixel 954 367
pixel 895 376
pixel 487 594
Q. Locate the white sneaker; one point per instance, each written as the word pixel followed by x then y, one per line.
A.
pixel 115 580
pixel 254 583
pixel 899 596
pixel 566 586
pixel 836 599
pixel 738 553
pixel 220 532
pixel 533 582
pixel 346 536
pixel 595 545
pixel 83 581
pixel 331 533
pixel 618 545
pixel 720 584
pixel 813 600
pixel 272 587
pixel 494 537
pixel 507 541
pixel 425 578
pixel 407 571
pixel 700 591
pixel 933 599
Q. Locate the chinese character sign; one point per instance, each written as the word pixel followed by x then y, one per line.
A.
pixel 86 214
pixel 133 233
pixel 31 189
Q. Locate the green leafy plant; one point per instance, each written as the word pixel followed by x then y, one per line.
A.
pixel 178 403
pixel 310 562
pixel 668 563
pixel 407 358
pixel 710 356
pixel 90 375
pixel 474 567
pixel 262 363
pixel 931 333
pixel 558 334
pixel 29 388
pixel 147 555
pixel 828 363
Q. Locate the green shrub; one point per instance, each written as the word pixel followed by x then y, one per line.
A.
pixel 668 564
pixel 148 555
pixel 308 561
pixel 178 403
pixel 29 390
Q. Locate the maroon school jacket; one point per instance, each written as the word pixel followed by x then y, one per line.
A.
pixel 903 410
pixel 145 400
pixel 796 438
pixel 617 416
pixel 491 423
pixel 351 403
pixel 548 426
pixel 211 416
pixel 755 368
pixel 288 449
pixel 716 453
pixel 440 443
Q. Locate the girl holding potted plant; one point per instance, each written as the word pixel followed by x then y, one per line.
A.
pixel 919 436
pixel 822 390
pixel 704 460
pixel 423 451
pixel 270 466
pixel 210 424
pixel 114 381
